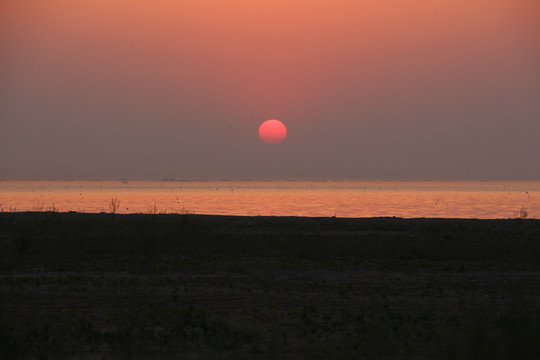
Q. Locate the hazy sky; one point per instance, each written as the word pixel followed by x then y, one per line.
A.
pixel 375 89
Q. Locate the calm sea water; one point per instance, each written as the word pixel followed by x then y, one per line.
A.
pixel 296 198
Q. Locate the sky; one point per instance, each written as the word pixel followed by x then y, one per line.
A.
pixel 368 89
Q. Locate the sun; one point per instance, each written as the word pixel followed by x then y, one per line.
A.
pixel 272 131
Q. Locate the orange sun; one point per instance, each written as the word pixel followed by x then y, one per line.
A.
pixel 272 131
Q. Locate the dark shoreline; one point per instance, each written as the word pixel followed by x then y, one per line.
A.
pixel 220 287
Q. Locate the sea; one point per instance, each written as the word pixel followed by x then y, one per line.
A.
pixel 407 199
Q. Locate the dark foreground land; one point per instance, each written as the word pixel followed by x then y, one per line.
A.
pixel 92 286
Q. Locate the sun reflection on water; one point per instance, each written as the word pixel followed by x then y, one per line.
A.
pixel 279 198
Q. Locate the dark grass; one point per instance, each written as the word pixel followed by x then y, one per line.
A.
pixel 212 287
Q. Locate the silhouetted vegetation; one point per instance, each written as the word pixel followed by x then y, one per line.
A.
pixel 220 287
pixel 114 204
pixel 521 214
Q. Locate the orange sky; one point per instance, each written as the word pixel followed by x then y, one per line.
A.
pixel 333 71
